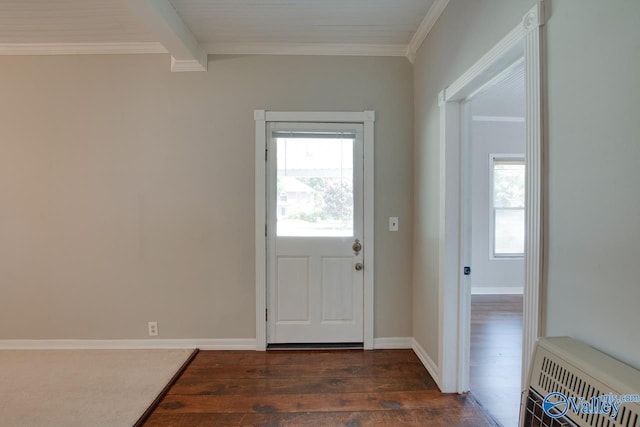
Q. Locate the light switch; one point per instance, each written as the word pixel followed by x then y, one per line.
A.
pixel 393 223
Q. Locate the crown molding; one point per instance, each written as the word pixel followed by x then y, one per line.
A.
pixel 304 49
pixel 425 27
pixel 80 48
pixel 181 41
pixel 211 48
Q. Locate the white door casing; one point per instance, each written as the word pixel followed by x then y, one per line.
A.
pixel 315 291
pixel 262 119
pixel 523 42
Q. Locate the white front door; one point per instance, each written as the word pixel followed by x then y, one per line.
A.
pixel 315 233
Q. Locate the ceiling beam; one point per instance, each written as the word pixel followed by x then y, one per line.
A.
pixel 168 28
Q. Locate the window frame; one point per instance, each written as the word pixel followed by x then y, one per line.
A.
pixel 500 157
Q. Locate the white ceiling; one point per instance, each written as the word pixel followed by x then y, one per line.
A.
pixel 69 21
pixel 504 99
pixel 189 29
pixel 387 22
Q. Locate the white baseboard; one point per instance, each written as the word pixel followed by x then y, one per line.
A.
pixel 392 343
pixel 428 363
pixel 202 344
pixel 507 290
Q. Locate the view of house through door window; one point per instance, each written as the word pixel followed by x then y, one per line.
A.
pixel 315 256
pixel 315 183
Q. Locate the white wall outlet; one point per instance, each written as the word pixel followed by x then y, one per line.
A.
pixel 393 223
pixel 153 329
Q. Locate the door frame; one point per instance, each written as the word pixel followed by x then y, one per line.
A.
pixel 262 117
pixel 522 43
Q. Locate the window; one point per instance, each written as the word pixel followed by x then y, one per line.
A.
pixel 314 178
pixel 507 205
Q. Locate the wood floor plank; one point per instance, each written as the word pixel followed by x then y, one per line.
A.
pixel 289 357
pixel 308 370
pixel 312 388
pixel 240 386
pixel 423 417
pixel 309 402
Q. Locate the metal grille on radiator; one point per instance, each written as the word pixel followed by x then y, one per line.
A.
pixel 535 416
pixel 576 370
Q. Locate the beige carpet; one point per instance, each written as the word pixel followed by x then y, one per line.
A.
pixel 84 388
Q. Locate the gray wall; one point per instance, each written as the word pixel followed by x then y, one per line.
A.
pixel 592 214
pixel 126 192
pixel 127 195
pixel 463 33
pixel 593 153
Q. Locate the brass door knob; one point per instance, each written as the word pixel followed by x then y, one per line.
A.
pixel 359 266
pixel 357 247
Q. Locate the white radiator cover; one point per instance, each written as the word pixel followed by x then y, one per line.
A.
pixel 567 366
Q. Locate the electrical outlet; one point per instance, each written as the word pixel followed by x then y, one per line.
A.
pixel 153 329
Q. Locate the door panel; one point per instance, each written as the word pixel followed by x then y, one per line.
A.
pixel 337 290
pixel 293 289
pixel 314 193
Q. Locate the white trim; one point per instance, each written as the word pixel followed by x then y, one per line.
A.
pixel 508 72
pixel 522 42
pixel 201 343
pixel 122 48
pixel 261 118
pixel 429 364
pixel 493 157
pixel 466 227
pixel 369 227
pixel 118 48
pixel 340 49
pixel 388 343
pixel 506 53
pixel 449 247
pixel 319 117
pixel 260 229
pixel 425 27
pixel 182 65
pixel 497 290
pixel 531 314
pixel 498 119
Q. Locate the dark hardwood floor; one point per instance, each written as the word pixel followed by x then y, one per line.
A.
pixel 496 355
pixel 312 388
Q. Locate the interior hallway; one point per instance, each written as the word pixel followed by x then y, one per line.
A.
pixel 496 355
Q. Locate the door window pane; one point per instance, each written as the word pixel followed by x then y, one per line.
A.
pixel 315 186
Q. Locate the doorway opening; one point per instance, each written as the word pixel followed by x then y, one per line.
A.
pixel 304 294
pixel 493 148
pixel 315 233
pixel 523 43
